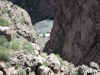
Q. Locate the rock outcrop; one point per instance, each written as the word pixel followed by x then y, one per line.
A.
pixel 75 35
pixel 17 19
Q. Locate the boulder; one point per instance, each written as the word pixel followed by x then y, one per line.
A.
pixel 43 70
pixel 53 62
pixel 94 65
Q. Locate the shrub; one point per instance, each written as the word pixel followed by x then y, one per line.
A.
pixel 3 22
pixel 44 35
pixel 17 66
pixel 6 44
pixel 21 72
pixel 32 73
pixel 4 54
pixel 74 73
pixel 59 58
pixel 15 44
pixel 3 41
pixel 44 55
pixel 27 46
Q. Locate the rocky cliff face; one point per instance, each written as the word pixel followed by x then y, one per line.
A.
pixel 17 19
pixel 75 34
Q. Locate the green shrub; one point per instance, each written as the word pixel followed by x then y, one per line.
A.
pixel 21 72
pixel 74 73
pixel 44 55
pixel 3 41
pixel 4 54
pixel 4 10
pixel 17 66
pixel 27 46
pixel 45 64
pixel 15 44
pixel 44 35
pixel 6 44
pixel 59 58
pixel 32 73
pixel 3 22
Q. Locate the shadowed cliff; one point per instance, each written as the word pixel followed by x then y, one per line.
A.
pixel 75 34
pixel 37 9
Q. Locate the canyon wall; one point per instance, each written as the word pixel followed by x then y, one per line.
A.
pixel 76 31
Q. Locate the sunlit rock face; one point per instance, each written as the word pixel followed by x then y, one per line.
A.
pixel 18 19
pixel 75 34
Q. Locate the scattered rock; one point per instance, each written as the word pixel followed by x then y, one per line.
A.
pixel 94 65
pixel 53 62
pixel 84 70
pixel 43 70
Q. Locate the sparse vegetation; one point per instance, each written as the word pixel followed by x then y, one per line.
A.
pixel 4 10
pixel 3 21
pixel 74 73
pixel 21 72
pixel 3 41
pixel 4 54
pixel 44 35
pixel 20 19
pixel 27 46
pixel 45 64
pixel 17 66
pixel 6 44
pixel 44 55
pixel 32 73
pixel 15 44
pixel 59 58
